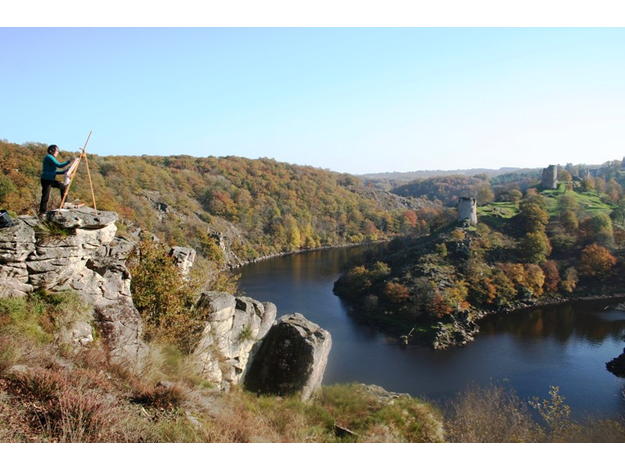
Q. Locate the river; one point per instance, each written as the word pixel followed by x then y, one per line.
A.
pixel 565 346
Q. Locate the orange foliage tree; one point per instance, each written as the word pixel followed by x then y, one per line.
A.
pixel 596 261
pixel 396 293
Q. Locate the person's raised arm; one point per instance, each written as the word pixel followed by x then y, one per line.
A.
pixel 61 165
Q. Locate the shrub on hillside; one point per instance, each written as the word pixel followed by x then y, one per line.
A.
pixel 163 296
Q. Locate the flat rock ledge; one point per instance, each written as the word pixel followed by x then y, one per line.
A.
pixel 82 217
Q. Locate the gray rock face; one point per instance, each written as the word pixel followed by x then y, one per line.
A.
pixel 184 257
pixel 234 327
pixel 76 249
pixel 82 218
pixel 291 359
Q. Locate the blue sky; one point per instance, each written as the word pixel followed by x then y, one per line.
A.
pixel 354 100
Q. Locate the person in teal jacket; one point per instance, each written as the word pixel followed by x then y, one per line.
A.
pixel 48 177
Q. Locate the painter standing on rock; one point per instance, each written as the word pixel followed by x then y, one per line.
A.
pixel 48 177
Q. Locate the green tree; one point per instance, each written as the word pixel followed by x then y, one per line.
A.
pixel 618 213
pixel 567 202
pixel 485 194
pixel 163 296
pixel 588 184
pixel 533 215
pixel 355 284
pixel 506 290
pixel 569 221
pixel 6 187
pixel 535 247
pixel 599 229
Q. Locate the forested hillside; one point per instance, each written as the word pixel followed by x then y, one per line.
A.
pixel 254 207
pixel 538 246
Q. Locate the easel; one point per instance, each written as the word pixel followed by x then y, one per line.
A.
pixel 73 174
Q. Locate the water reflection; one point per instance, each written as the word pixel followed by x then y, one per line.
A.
pixel 593 321
pixel 565 345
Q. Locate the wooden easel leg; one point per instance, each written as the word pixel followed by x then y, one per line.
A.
pixel 91 185
pixel 71 180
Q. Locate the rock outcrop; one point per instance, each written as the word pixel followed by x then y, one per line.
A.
pixel 291 359
pixel 617 365
pixel 76 249
pixel 456 333
pixel 184 258
pixel 233 328
pixel 243 345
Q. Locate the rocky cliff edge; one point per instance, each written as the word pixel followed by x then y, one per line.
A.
pixel 77 250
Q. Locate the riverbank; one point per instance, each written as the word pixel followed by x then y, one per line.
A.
pixel 526 306
pixel 462 327
pixel 505 348
pixel 306 250
pixel 522 306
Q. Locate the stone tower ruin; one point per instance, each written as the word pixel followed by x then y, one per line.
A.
pixel 550 177
pixel 467 209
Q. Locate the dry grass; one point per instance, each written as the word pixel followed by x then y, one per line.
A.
pixel 494 414
pixel 490 414
pixel 50 393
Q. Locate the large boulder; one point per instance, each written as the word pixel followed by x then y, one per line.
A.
pixel 291 359
pixel 233 328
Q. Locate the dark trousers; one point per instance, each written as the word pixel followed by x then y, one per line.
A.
pixel 46 188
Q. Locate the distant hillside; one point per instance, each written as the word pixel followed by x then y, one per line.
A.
pixel 547 246
pixel 390 180
pixel 413 175
pixel 447 189
pixel 250 208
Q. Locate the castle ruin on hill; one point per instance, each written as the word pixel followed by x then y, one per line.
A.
pixel 550 177
pixel 467 209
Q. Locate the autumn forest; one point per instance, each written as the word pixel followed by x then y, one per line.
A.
pixel 530 242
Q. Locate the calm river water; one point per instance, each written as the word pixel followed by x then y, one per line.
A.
pixel 566 346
